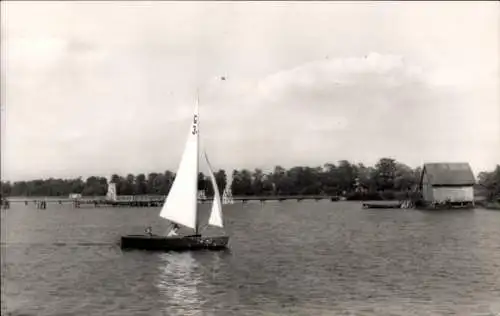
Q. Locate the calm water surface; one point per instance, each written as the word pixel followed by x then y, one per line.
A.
pixel 307 258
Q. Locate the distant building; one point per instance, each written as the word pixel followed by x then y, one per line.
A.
pixel 359 187
pixel 442 183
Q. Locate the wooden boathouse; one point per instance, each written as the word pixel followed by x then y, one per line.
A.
pixel 447 185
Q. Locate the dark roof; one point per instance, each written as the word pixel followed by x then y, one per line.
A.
pixel 449 173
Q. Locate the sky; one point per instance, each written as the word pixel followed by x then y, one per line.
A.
pixel 96 88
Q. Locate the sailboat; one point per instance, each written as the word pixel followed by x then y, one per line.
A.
pixel 181 205
pixel 227 197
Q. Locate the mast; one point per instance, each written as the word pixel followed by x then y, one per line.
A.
pixel 197 120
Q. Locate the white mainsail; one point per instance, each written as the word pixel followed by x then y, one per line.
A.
pixel 215 218
pixel 181 203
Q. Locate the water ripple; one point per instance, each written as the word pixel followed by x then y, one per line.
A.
pixel 307 258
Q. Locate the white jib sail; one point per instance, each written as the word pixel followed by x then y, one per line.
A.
pixel 215 218
pixel 181 203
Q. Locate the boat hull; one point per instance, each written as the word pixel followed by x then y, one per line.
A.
pixel 174 243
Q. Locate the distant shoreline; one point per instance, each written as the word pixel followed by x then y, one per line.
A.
pixel 138 197
pixel 403 196
pixel 388 180
pixel 489 205
pixel 479 203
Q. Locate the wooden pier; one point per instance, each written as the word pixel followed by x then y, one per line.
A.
pixel 156 201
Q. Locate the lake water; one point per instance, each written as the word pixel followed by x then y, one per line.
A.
pixel 289 258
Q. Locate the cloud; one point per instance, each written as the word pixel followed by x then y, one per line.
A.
pixel 356 106
pixel 37 52
pixel 111 88
pixel 331 94
pixel 326 106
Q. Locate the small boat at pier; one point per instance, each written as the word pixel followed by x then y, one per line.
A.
pixel 381 205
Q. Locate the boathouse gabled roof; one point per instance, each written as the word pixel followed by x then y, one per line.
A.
pixel 457 173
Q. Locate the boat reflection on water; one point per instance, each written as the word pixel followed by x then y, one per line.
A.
pixel 178 281
pixel 184 281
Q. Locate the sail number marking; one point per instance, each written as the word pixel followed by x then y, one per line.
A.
pixel 195 125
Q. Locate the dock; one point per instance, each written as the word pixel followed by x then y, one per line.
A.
pixel 155 201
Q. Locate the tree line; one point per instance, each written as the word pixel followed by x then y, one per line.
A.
pixel 387 179
pixel 489 184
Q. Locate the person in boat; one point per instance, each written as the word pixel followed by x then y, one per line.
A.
pixel 174 230
pixel 149 231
